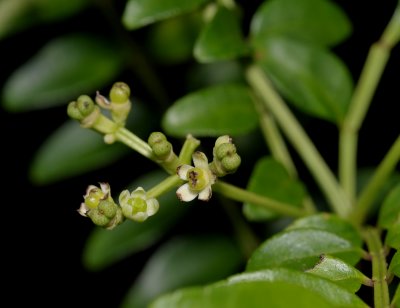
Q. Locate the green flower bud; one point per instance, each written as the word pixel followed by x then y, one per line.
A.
pixel 73 111
pixel 107 215
pixel 231 163
pixel 162 149
pixel 156 137
pixel 222 139
pixel 120 93
pixel 85 105
pixel 224 150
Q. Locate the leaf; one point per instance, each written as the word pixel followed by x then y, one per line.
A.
pixel 301 249
pixel 340 272
pixel 313 79
pixel 393 236
pixel 139 13
pixel 394 266
pixel 316 21
pixel 396 298
pixel 389 213
pixel 214 111
pixel 270 179
pixel 62 70
pixel 268 288
pixel 72 150
pixel 221 38
pixel 336 295
pixel 171 41
pixel 252 294
pixel 19 15
pixel 105 247
pixel 184 261
pixel 331 223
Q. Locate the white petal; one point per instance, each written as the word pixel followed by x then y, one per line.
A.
pixel 124 197
pixel 185 194
pixel 140 217
pixel 105 188
pixel 89 189
pixel 182 171
pixel 200 160
pixel 83 209
pixel 152 206
pixel 205 194
pixel 139 193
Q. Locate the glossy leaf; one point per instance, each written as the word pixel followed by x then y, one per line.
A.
pixel 213 111
pixel 394 266
pixel 317 21
pixel 105 247
pixel 301 249
pixel 340 272
pixel 270 179
pixel 184 261
pixel 390 210
pixel 72 150
pixel 221 38
pixel 139 13
pixel 396 298
pixel 336 295
pixel 252 294
pixel 61 71
pixel 331 223
pixel 313 79
pixel 393 236
pixel 19 15
pixel 171 41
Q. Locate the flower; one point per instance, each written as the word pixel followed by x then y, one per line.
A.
pixel 136 205
pixel 99 206
pixel 199 179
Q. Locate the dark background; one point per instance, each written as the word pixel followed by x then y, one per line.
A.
pixel 44 236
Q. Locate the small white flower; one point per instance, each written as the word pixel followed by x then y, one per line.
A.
pixel 136 206
pixel 93 197
pixel 199 179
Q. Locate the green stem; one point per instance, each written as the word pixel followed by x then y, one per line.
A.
pixel 370 192
pixel 379 271
pixel 299 139
pixel 185 155
pixel 371 74
pixel 242 195
pixel 274 139
pixel 164 186
pixel 134 142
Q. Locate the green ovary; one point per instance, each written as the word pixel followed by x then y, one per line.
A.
pixel 138 205
pixel 197 178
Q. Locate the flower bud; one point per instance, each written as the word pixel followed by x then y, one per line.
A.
pixel 231 163
pixel 224 150
pixel 120 93
pixel 156 137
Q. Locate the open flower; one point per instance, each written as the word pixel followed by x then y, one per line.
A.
pixel 199 179
pixel 136 205
pixel 99 206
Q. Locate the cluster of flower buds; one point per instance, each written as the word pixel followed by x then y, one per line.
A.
pixel 226 160
pixel 99 206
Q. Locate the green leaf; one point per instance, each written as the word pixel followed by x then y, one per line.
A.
pixel 331 223
pixel 213 111
pixel 19 15
pixel 396 298
pixel 393 236
pixel 313 79
pixel 301 249
pixel 221 38
pixel 139 13
pixel 340 272
pixel 336 295
pixel 184 261
pixel 390 210
pixel 105 247
pixel 317 21
pixel 72 150
pixel 394 266
pixel 171 41
pixel 269 288
pixel 270 179
pixel 62 70
pixel 252 294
